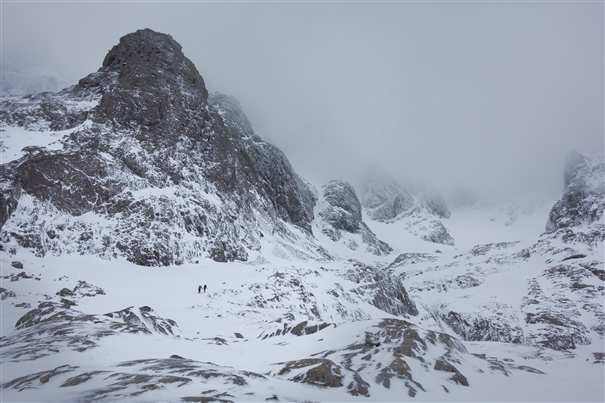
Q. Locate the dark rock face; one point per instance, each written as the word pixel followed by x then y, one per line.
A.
pixel 17 265
pixel 562 307
pixel 438 234
pixel 301 329
pixel 384 199
pixel 10 194
pixel 441 365
pixel 344 209
pixel 384 291
pixel 480 250
pixel 323 372
pixel 264 168
pixel 583 199
pixel 340 215
pixel 411 258
pixel 559 321
pixel 390 296
pixel 157 159
pixel 147 58
pixel 48 111
pixel 575 224
pixel 480 328
pixel 4 294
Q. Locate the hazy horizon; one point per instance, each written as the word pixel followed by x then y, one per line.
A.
pixel 448 94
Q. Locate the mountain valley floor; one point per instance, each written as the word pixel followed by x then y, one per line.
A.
pixel 225 326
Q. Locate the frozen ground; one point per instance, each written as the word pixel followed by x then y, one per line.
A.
pixel 225 327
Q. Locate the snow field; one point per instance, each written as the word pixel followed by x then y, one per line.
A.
pixel 222 311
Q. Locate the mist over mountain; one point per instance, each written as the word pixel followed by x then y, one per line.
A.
pixel 20 79
pixel 440 94
pixel 153 246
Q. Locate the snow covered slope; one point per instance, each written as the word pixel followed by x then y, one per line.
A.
pixel 78 328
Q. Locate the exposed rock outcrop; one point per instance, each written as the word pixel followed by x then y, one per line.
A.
pixel 134 378
pixel 583 199
pixel 383 199
pixel 393 353
pixel 382 289
pixel 340 219
pixel 54 327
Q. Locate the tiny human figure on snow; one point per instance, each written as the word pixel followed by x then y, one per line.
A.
pixel 199 289
pixel 205 288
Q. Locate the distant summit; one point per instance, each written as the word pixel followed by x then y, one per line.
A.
pixel 417 211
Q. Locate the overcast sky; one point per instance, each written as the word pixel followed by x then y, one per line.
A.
pixel 443 93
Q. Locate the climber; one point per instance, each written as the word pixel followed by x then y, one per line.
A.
pixel 205 288
pixel 199 289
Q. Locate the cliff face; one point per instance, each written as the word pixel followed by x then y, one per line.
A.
pixel 583 199
pixel 163 172
pixel 340 219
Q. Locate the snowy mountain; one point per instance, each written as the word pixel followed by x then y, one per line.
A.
pixel 418 213
pixel 137 160
pixel 126 192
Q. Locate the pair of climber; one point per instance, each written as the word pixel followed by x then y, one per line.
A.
pixel 199 288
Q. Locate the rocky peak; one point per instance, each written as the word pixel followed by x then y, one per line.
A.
pixel 146 81
pixel 150 60
pixel 232 113
pixel 386 200
pixel 435 203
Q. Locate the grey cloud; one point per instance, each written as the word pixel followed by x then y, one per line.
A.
pixel 471 93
